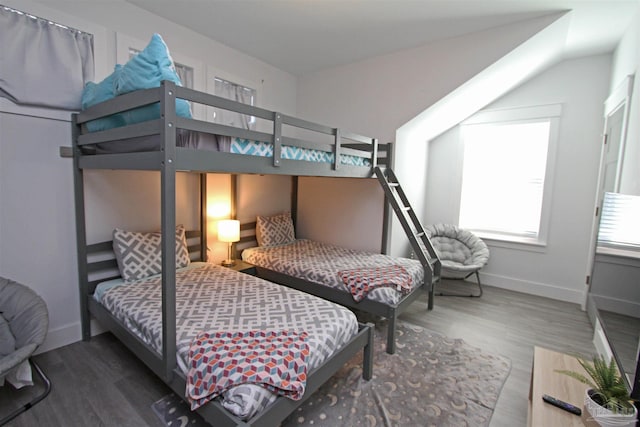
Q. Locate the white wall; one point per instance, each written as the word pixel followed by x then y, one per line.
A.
pixel 262 195
pixel 325 212
pixel 626 60
pixel 557 270
pixel 377 96
pixel 37 225
pixel 615 285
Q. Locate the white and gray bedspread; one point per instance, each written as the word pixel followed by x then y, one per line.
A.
pixel 320 263
pixel 213 298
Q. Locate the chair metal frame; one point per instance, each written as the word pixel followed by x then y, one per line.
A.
pixel 35 400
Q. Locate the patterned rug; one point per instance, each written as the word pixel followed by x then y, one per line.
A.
pixel 432 380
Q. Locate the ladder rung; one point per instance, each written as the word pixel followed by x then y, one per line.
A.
pixel 393 184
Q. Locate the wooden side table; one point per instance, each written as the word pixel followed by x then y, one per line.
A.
pixel 545 380
pixel 243 267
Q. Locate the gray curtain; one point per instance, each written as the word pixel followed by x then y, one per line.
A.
pixel 238 93
pixel 185 74
pixel 42 63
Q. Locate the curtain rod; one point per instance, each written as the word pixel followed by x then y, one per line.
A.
pixel 29 15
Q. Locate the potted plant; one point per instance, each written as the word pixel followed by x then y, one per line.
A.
pixel 607 400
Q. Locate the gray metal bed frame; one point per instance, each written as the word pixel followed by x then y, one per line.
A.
pixel 168 160
pixel 390 311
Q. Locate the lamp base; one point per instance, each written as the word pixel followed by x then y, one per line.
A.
pixel 228 262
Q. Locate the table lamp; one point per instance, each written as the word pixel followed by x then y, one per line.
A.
pixel 229 231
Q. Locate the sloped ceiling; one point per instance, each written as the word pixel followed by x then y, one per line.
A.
pixel 306 36
pixel 535 55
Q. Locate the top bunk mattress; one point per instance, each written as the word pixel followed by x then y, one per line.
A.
pixel 211 298
pixel 322 263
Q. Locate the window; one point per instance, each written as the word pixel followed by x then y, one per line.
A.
pixel 235 92
pixel 505 173
pixel 619 222
pixel 185 73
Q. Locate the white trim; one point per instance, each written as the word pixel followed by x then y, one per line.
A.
pixel 620 96
pixel 551 112
pixel 515 114
pixel 618 257
pixel 512 242
pixel 622 253
pixel 67 334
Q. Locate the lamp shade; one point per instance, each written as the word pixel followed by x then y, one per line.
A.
pixel 229 230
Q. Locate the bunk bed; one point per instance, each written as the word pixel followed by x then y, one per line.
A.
pixel 155 145
pixel 338 274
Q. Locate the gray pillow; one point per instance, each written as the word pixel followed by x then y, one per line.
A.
pixel 275 230
pixel 7 340
pixel 139 254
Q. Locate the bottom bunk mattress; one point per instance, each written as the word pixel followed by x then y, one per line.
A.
pixel 341 269
pixel 213 299
pixel 211 142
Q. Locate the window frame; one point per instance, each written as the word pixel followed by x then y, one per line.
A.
pixel 254 92
pixel 551 112
pixel 214 72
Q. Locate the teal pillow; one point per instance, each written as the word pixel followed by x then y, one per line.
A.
pixel 144 71
pixel 95 93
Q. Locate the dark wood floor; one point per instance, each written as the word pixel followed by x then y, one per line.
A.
pixel 100 383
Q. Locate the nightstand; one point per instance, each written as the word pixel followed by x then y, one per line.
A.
pixel 243 267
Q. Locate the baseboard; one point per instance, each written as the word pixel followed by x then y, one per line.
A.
pixel 533 288
pixel 615 305
pixel 65 335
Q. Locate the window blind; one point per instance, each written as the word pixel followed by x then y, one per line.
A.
pixel 620 221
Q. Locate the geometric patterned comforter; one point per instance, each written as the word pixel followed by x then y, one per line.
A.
pixel 211 298
pixel 320 263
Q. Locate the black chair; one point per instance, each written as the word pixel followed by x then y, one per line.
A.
pixel 24 321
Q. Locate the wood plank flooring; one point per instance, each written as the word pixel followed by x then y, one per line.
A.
pixel 100 383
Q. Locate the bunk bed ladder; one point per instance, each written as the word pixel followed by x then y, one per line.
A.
pixel 412 227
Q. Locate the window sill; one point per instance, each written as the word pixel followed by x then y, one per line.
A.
pixel 512 242
pixel 624 253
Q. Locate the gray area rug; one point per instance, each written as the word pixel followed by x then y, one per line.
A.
pixel 432 380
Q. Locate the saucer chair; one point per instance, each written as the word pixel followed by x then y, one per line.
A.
pixel 461 252
pixel 24 322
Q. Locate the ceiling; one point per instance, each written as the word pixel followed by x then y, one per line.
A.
pixel 303 36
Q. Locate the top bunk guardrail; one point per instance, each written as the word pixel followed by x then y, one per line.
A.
pixel 198 145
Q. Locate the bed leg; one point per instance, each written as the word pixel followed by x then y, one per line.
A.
pixel 391 334
pixel 431 295
pixel 367 355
